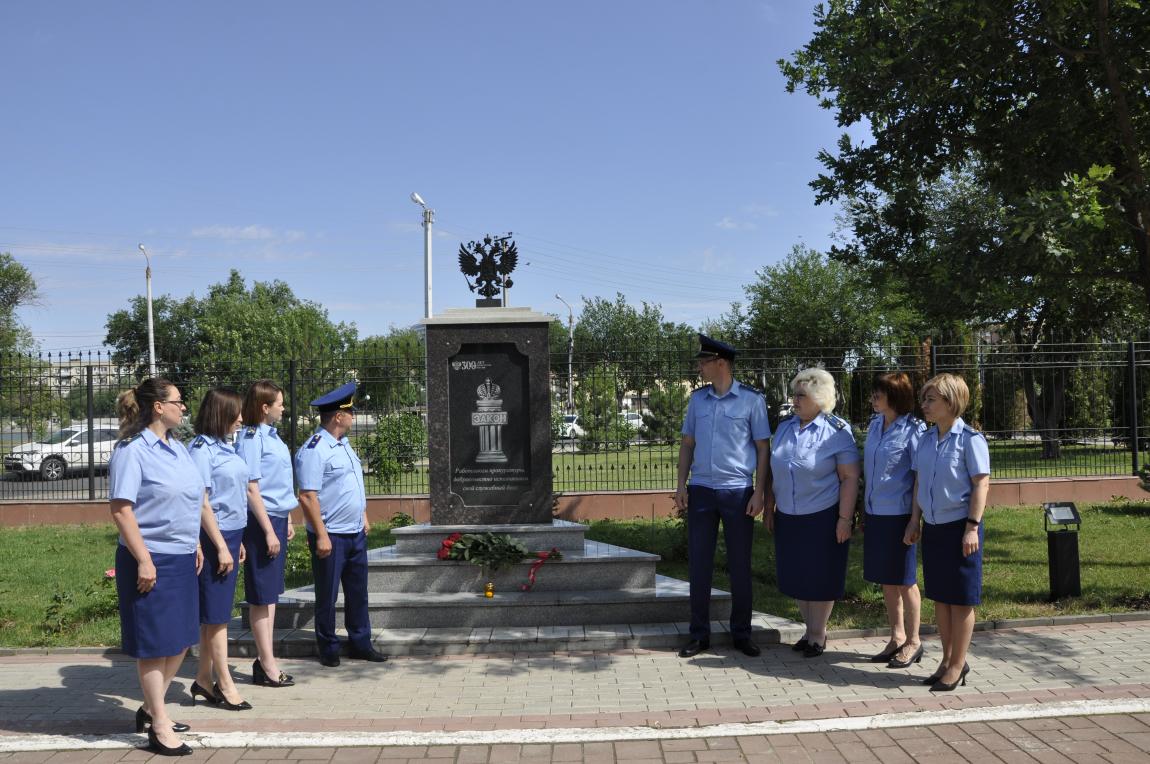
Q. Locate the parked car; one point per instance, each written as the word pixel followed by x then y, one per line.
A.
pixel 64 450
pixel 571 428
pixel 632 419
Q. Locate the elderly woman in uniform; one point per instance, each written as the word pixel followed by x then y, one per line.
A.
pixel 952 466
pixel 815 474
pixel 271 499
pixel 156 498
pixel 225 477
pixel 888 481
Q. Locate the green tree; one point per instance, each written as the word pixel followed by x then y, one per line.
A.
pixel 399 441
pixel 1044 101
pixel 17 288
pixel 667 404
pixel 598 401
pixel 642 345
pixel 392 370
pixel 233 335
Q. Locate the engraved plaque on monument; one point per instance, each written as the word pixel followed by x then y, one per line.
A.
pixel 490 461
pixel 489 416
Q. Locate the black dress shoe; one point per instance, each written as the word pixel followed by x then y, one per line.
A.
pixel 259 676
pixel 814 649
pixel 329 660
pixel 370 654
pixel 895 663
pixel 694 647
pixel 887 654
pixel 747 647
pixel 158 748
pixel 144 720
pixel 941 686
pixel 800 646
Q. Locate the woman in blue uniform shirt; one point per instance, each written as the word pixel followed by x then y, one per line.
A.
pixel 815 478
pixel 271 499
pixel 157 502
pixel 952 466
pixel 225 477
pixel 888 481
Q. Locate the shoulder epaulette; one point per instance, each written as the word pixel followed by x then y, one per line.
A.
pixel 314 441
pixel 250 432
pixel 836 422
pixel 198 442
pixel 915 422
pixel 127 440
pixel 753 389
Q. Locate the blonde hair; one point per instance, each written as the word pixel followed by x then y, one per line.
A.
pixel 135 406
pixel 952 389
pixel 819 385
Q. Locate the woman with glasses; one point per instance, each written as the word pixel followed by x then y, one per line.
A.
pixel 225 478
pixel 271 499
pixel 888 481
pixel 815 477
pixel 156 498
pixel 952 480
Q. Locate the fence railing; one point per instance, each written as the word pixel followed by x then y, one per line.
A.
pixel 1071 409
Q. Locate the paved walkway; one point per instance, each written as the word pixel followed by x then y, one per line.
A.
pixel 1039 693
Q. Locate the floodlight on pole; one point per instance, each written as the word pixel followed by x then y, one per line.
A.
pixel 570 353
pixel 151 328
pixel 428 219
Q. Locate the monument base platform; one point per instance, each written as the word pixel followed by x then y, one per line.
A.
pixel 300 643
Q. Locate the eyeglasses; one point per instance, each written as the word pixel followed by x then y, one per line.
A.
pixel 177 401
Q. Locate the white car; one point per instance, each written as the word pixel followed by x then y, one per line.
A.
pixel 632 419
pixel 571 428
pixel 64 450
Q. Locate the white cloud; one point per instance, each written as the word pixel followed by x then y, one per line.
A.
pixel 246 233
pixel 729 223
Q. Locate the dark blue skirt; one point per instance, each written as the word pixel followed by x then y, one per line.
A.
pixel 165 621
pixel 218 593
pixel 263 575
pixel 809 563
pixel 886 560
pixel 949 577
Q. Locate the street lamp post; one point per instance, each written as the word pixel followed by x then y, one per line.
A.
pixel 570 352
pixel 151 329
pixel 428 219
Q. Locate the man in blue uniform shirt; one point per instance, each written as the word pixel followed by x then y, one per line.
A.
pixel 334 505
pixel 724 446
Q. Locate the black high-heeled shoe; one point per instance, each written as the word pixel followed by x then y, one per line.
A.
pixel 158 748
pixel 144 719
pixel 886 654
pixel 226 704
pixel 938 674
pixel 208 695
pixel 259 676
pixel 801 645
pixel 895 663
pixel 941 686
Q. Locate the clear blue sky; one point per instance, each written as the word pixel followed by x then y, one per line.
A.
pixel 641 147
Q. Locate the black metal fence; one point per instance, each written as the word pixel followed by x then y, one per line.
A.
pixel 1071 409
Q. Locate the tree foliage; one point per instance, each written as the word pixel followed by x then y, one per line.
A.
pixel 392 370
pixel 399 441
pixel 235 331
pixel 1043 103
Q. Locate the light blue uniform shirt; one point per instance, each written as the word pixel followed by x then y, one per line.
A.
pixel 331 468
pixel 888 471
pixel 944 471
pixel 269 462
pixel 165 488
pixel 805 460
pixel 725 429
pixel 225 475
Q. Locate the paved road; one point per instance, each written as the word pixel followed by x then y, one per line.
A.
pixel 636 705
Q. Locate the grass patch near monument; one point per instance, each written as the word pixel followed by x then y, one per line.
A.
pixel 1112 547
pixel 53 591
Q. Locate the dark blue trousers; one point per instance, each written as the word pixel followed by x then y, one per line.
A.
pixel 705 508
pixel 347 564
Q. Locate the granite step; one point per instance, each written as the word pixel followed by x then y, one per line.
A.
pixel 300 643
pixel 667 602
pixel 426 539
pixel 595 566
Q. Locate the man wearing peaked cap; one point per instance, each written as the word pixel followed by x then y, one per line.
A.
pixel 725 446
pixel 334 505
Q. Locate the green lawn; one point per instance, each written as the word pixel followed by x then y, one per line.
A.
pixel 648 466
pixel 53 590
pixel 1115 569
